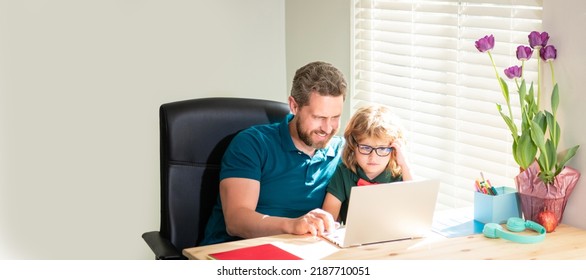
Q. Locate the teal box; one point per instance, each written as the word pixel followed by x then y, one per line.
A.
pixel 497 208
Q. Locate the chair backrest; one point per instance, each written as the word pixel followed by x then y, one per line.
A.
pixel 193 137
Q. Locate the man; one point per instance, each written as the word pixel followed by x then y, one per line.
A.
pixel 273 177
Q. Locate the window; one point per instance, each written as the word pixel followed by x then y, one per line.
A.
pixel 418 57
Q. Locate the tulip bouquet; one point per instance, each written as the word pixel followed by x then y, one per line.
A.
pixel 537 137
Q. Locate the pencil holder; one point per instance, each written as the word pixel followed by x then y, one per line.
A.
pixel 497 208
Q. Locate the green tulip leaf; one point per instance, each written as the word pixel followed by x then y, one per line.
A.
pixel 530 99
pixel 516 154
pixel 510 124
pixel 530 96
pixel 550 153
pixel 570 153
pixel 525 151
pixel 538 136
pixel 505 89
pixel 555 99
pixel 542 161
pixel 554 128
pixel 522 93
pixel 541 120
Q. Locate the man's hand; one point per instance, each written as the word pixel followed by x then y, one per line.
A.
pixel 316 222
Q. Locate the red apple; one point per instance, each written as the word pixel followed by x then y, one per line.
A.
pixel 547 219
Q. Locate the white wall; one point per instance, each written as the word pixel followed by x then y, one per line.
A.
pixel 80 87
pixel 319 30
pixel 565 21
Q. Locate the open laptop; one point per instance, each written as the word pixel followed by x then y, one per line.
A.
pixel 387 212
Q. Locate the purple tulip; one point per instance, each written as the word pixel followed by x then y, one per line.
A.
pixel 524 53
pixel 514 72
pixel 485 43
pixel 537 39
pixel 548 53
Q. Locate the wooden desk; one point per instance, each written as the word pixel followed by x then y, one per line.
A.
pixel 564 243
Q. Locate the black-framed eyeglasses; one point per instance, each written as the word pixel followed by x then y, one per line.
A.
pixel 367 150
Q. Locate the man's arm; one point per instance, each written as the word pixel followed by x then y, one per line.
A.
pixel 239 199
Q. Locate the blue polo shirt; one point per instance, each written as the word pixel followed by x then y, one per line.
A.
pixel 291 182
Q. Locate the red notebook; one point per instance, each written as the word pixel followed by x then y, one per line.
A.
pixel 260 252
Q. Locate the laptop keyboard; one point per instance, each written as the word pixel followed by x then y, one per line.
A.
pixel 337 236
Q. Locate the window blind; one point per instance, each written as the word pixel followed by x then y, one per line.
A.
pixel 418 58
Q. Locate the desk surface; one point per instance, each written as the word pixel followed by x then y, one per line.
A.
pixel 564 243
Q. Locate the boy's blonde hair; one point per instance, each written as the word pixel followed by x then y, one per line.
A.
pixel 373 121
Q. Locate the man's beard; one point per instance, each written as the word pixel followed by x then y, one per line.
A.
pixel 306 138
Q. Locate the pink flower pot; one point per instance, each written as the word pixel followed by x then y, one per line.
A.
pixel 536 195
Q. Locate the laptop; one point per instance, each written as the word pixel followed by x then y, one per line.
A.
pixel 387 212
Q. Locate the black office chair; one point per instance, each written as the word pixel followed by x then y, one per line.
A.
pixel 193 137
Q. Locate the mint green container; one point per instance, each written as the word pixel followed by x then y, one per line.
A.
pixel 497 208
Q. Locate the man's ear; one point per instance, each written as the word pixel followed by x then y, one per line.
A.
pixel 293 106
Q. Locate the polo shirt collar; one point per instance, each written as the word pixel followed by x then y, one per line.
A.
pixel 286 140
